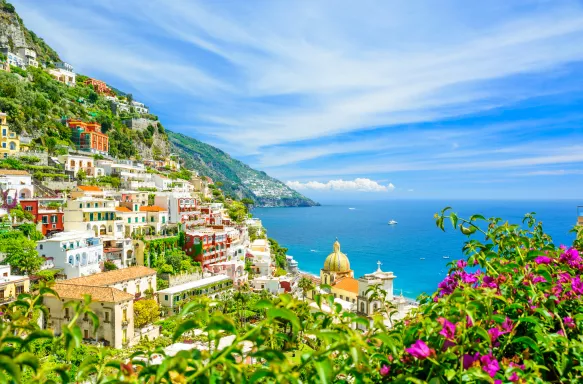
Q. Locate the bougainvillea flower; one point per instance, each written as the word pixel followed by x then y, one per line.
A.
pixel 419 350
pixel 507 325
pixel 489 282
pixel 494 333
pixel 543 260
pixel 448 330
pixel 569 323
pixel 385 369
pixel 577 285
pixel 469 360
pixel 490 364
pixel 539 279
pixel 462 264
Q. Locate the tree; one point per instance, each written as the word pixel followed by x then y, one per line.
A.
pixel 146 311
pixel 81 176
pixel 21 254
pixel 248 202
pixel 306 285
pixel 109 266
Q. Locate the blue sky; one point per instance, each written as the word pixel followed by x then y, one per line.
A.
pixel 368 99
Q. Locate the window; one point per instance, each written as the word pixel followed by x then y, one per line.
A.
pixel 144 219
pixel 96 205
pixel 362 307
pixel 124 316
pixel 81 205
pixel 12 146
pixel 163 219
pixel 3 145
pixel 45 219
pixel 66 313
pixel 165 296
pixel 86 334
pixel 136 220
pixel 53 218
pixel 129 220
pixel 152 219
pixel 40 246
pixel 106 317
pixel 29 209
pixel 19 289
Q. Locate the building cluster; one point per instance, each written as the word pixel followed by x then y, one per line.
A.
pixel 89 230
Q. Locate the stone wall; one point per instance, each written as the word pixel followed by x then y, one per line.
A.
pixel 183 278
pixel 59 185
pixel 43 156
pixel 140 124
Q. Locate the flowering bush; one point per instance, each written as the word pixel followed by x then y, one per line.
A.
pixel 510 312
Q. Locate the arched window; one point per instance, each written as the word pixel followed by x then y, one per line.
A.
pixel 12 146
pixel 71 260
pixel 374 307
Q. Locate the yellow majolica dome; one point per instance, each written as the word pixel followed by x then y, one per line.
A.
pixel 337 261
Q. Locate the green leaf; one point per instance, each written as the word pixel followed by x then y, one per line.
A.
pixel 36 335
pixel 27 358
pixel 10 366
pixel 324 369
pixel 260 374
pixel 453 218
pixel 477 217
pixel 286 314
pixel 528 341
pixel 183 327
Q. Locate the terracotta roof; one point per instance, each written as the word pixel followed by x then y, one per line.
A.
pixel 152 208
pixel 89 188
pixel 347 284
pixel 113 277
pixel 14 172
pixel 123 209
pixel 105 294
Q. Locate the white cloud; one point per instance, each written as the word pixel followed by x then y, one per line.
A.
pixel 359 184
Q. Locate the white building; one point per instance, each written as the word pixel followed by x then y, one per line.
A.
pixel 268 283
pixel 178 205
pixel 74 163
pixel 172 298
pixel 64 73
pixel 17 183
pixel 92 213
pixel 140 107
pixel 28 56
pixel 77 253
pixel 234 269
pixel 13 58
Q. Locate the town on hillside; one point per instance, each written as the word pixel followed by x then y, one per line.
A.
pixel 142 237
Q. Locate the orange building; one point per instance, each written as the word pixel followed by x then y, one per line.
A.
pixel 88 137
pixel 99 87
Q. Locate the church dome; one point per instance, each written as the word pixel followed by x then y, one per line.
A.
pixel 337 261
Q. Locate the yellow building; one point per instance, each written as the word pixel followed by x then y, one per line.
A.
pixel 11 286
pixel 9 141
pixel 338 275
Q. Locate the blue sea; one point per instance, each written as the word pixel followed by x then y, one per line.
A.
pixel 366 237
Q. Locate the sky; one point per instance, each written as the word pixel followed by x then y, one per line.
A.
pixel 356 99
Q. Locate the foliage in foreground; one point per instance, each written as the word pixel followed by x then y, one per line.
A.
pixel 510 312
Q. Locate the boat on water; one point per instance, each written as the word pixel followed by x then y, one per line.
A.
pixel 392 222
pixel 446 257
pixel 352 209
pixel 421 258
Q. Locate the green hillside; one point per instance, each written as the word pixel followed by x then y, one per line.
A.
pixel 238 178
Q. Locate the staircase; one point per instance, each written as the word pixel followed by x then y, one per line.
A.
pixel 42 191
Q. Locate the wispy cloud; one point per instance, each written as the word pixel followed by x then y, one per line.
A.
pixel 359 184
pixel 337 89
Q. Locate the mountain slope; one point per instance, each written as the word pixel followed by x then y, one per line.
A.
pixel 238 178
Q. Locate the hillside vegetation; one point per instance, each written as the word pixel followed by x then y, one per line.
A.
pixel 238 179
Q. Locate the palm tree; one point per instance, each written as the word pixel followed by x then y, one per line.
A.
pixel 306 285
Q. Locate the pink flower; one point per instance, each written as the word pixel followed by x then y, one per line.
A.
pixel 561 333
pixel 385 369
pixel 469 278
pixel 490 364
pixel 469 360
pixel 507 325
pixel 448 330
pixel 447 286
pixel 539 279
pixel 494 333
pixel 577 285
pixel 489 282
pixel 420 350
pixel 569 323
pixel 543 260
pixel 513 377
pixel 462 264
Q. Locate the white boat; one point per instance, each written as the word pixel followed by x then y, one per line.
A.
pixel 352 209
pixel 421 258
pixel 392 222
pixel 446 257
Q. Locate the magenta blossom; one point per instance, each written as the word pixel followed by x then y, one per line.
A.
pixel 469 360
pixel 419 350
pixel 571 257
pixel 448 330
pixel 507 325
pixel 490 364
pixel 543 260
pixel 489 282
pixel 569 323
pixel 447 286
pixel 385 369
pixel 462 264
pixel 469 278
pixel 513 377
pixel 539 279
pixel 577 285
pixel 494 333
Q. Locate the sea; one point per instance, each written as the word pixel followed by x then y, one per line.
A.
pixel 414 249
